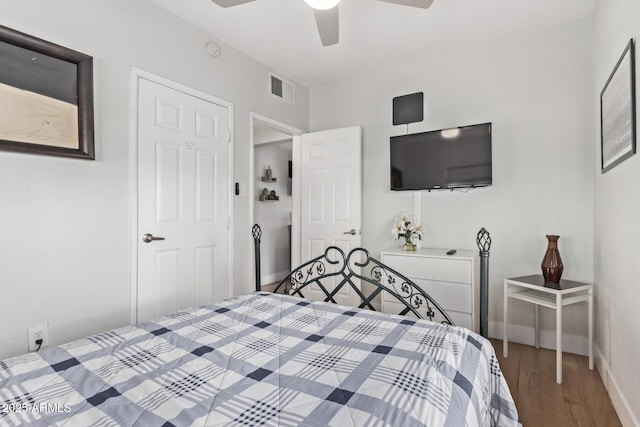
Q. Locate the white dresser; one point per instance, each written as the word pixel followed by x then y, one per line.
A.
pixel 452 280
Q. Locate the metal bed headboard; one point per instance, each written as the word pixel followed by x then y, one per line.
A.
pixel 367 277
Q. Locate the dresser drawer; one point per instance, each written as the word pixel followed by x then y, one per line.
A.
pixel 440 269
pixel 458 318
pixel 451 281
pixel 450 296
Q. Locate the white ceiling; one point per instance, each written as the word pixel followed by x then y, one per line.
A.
pixel 373 35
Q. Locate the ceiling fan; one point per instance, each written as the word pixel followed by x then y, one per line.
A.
pixel 326 13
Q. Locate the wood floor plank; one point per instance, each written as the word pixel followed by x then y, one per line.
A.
pixel 573 391
pixel 578 415
pixel 529 392
pixel 581 399
pixel 552 398
pixel 596 395
pixel 571 381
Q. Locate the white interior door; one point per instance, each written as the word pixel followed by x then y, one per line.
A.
pixel 183 196
pixel 330 194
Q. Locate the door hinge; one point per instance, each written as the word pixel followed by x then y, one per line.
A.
pixel 228 223
pixel 228 136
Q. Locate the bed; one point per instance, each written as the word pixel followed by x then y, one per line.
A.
pixel 263 359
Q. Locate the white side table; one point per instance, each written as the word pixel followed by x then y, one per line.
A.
pixel 533 289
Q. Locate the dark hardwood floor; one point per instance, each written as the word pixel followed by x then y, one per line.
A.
pixel 581 399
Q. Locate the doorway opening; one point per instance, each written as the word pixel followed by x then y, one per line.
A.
pixel 271 195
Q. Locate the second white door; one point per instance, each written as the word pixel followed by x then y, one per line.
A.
pixel 330 197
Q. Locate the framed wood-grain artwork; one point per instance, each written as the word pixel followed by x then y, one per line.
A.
pixel 46 97
pixel 618 112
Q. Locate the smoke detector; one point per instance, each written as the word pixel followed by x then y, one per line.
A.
pixel 213 48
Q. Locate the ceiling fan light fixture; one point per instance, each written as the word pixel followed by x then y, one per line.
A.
pixel 322 4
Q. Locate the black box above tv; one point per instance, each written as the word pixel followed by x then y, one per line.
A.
pixel 408 108
pixel 442 159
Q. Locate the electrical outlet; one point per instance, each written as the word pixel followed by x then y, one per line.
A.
pixel 38 332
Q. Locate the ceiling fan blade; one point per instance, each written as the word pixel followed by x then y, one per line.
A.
pixel 229 3
pixel 327 23
pixel 424 4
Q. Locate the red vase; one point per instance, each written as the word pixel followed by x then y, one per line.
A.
pixel 552 263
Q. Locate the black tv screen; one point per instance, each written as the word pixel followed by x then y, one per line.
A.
pixel 447 158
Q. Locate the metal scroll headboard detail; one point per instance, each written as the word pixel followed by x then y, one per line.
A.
pixel 333 271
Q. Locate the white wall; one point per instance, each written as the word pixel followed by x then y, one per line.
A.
pixel 64 224
pixel 537 91
pixel 274 217
pixel 616 232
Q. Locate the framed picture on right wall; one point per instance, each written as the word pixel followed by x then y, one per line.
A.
pixel 618 112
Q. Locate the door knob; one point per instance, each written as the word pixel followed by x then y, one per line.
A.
pixel 148 238
pixel 353 232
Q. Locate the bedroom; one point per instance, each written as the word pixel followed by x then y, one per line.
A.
pixel 70 266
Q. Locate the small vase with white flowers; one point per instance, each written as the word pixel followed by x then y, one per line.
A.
pixel 404 227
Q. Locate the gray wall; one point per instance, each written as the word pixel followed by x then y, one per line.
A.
pixel 537 91
pixel 65 224
pixel 616 237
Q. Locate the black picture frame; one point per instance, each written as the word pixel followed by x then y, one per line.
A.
pixel 618 112
pixel 52 73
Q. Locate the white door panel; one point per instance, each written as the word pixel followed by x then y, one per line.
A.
pixel 182 197
pixel 330 198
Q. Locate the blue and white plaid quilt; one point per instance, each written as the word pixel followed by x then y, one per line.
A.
pixel 262 359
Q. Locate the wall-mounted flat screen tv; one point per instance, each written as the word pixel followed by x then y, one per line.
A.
pixel 442 159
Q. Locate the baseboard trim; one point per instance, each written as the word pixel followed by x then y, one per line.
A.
pixel 620 403
pixel 575 344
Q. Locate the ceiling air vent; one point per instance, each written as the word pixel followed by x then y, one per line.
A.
pixel 282 89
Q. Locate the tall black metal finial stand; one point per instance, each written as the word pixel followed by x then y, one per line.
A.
pixel 483 241
pixel 256 231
